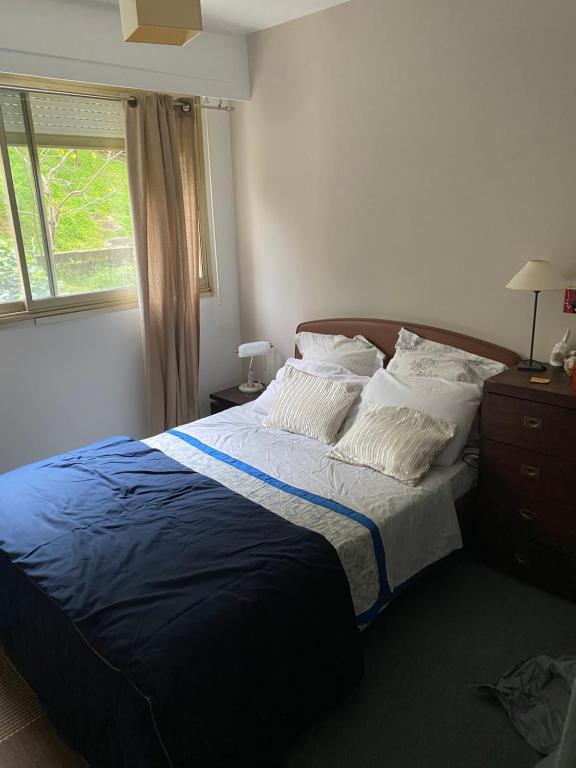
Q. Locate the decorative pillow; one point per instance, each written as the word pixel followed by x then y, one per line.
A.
pixel 481 368
pixel 431 365
pixel 311 405
pixel 266 401
pixel 399 442
pixel 455 402
pixel 357 355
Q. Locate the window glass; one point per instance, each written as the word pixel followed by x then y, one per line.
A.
pixel 10 282
pixel 88 212
pixel 84 180
pixel 25 191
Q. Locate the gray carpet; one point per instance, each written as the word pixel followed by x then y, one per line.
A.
pixel 19 707
pixel 461 624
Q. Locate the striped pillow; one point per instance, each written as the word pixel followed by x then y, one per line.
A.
pixel 396 441
pixel 311 405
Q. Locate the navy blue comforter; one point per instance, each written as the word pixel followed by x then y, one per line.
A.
pixel 228 626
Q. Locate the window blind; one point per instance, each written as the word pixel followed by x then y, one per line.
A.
pixel 61 121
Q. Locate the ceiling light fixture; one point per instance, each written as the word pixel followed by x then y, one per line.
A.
pixel 164 22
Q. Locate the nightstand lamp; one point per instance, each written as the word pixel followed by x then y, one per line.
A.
pixel 536 275
pixel 253 349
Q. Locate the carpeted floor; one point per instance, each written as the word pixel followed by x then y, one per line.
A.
pixel 18 705
pixel 27 739
pixel 461 624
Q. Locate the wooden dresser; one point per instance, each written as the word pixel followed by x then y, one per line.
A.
pixel 527 498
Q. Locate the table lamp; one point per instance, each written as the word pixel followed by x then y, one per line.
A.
pixel 253 349
pixel 536 275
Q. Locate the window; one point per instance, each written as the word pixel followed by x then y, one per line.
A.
pixel 65 226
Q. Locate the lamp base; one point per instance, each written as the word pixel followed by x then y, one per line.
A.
pixel 531 365
pixel 251 389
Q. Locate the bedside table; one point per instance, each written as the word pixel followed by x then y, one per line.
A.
pixel 228 398
pixel 527 480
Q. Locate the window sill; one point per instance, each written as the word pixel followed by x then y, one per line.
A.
pixel 67 312
pixel 54 314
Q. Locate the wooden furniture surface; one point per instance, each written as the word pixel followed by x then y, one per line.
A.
pixel 228 398
pixel 527 482
pixel 383 334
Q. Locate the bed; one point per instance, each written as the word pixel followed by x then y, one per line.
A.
pixel 195 598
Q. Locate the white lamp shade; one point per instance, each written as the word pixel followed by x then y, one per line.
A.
pixel 537 275
pixel 254 348
pixel 165 22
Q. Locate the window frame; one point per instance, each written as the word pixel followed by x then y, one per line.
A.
pixel 30 308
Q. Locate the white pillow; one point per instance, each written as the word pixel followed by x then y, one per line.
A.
pixel 266 401
pixel 481 368
pixel 357 355
pixel 398 442
pixel 455 402
pixel 311 405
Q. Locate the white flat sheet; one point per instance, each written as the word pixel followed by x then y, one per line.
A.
pixel 356 508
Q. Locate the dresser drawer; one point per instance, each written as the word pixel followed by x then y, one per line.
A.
pixel 511 471
pixel 545 568
pixel 531 519
pixel 527 424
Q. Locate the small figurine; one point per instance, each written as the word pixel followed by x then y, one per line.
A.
pixel 559 351
pixel 570 362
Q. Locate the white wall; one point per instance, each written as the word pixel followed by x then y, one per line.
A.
pixel 82 40
pixel 79 379
pixel 403 159
pixel 67 383
pixel 220 313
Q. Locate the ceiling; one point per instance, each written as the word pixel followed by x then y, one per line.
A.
pixel 244 16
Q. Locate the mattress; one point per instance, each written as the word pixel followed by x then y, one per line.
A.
pixel 461 476
pixel 385 532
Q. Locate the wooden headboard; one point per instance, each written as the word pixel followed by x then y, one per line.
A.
pixel 383 334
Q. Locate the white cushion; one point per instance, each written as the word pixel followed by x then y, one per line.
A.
pixel 266 401
pixel 455 402
pixel 311 405
pixel 399 442
pixel 357 355
pixel 480 368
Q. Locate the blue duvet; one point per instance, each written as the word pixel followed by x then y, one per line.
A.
pixel 229 624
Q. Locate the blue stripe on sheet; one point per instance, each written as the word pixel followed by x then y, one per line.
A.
pixel 385 594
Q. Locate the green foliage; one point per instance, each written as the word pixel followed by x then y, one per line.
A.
pixel 105 276
pixel 86 200
pixel 10 286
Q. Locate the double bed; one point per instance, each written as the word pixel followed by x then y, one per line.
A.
pixel 194 599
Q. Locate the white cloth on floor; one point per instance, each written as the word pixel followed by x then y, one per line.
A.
pixel 536 694
pixel 565 756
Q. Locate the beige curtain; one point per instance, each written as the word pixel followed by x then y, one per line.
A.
pixel 161 149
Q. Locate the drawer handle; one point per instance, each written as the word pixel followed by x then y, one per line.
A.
pixel 527 514
pixel 521 559
pixel 532 422
pixel 532 472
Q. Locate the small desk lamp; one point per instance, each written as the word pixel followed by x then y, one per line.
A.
pixel 253 349
pixel 536 275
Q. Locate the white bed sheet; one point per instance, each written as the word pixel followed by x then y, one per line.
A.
pixel 417 526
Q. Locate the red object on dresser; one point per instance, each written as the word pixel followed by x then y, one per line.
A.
pixel 527 480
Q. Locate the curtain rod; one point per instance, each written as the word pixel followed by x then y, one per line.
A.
pixel 132 100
